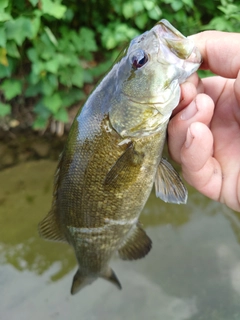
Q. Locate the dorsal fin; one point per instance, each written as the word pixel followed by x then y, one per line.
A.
pixel 136 246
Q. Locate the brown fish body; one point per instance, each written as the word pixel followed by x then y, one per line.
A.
pixel 113 155
pixel 101 211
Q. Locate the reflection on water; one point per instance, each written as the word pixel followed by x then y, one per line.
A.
pixel 192 272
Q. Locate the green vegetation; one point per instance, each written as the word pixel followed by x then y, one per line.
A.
pixel 50 49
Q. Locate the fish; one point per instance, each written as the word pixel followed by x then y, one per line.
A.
pixel 113 155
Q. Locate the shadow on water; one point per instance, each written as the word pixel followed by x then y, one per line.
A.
pixel 192 272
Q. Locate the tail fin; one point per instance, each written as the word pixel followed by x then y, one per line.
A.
pixel 80 280
pixel 110 275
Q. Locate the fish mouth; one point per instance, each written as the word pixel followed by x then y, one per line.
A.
pixel 174 46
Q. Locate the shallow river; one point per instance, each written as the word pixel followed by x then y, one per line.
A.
pixel 191 273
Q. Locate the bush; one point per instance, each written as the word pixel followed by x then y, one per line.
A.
pixel 49 49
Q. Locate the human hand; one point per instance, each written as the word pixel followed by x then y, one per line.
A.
pixel 204 132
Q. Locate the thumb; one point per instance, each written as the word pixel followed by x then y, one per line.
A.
pixel 237 88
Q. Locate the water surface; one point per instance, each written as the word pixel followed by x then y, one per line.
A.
pixel 191 273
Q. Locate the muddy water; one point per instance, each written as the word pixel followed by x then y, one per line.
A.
pixel 192 272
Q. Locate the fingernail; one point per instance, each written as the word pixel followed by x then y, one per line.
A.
pixel 190 111
pixel 189 138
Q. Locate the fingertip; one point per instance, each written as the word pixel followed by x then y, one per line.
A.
pixel 200 110
pixel 188 93
pixel 202 106
pixel 237 87
pixel 198 146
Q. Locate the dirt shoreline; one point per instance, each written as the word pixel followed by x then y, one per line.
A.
pixel 18 145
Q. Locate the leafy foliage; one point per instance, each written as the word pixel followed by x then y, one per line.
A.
pixel 50 49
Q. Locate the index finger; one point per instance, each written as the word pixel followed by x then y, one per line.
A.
pixel 219 51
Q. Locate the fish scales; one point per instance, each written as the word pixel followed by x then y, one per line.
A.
pixel 113 155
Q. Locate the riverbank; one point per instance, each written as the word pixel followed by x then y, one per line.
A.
pixel 17 145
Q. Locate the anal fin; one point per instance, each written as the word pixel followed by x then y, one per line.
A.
pixel 49 229
pixel 136 246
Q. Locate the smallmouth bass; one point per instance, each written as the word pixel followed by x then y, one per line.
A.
pixel 113 155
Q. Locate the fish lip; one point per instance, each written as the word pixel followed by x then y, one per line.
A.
pixel 170 39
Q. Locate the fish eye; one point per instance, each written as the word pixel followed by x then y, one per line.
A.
pixel 139 59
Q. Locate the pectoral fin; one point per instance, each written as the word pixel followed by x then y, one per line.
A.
pixel 136 246
pixel 129 158
pixel 168 184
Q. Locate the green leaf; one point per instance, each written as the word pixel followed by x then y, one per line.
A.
pixel 5 16
pixel 12 50
pixel 149 5
pixel 53 8
pixel 7 70
pixel 141 20
pixel 34 78
pixel 11 88
pixel 69 14
pixel 19 29
pixel 77 77
pixel 35 26
pixel 72 96
pixel 45 49
pixel 33 2
pixel 3 4
pixel 86 40
pixel 33 90
pixel 2 37
pixel 189 3
pixel 40 123
pixel 3 57
pixel 32 54
pixel 65 77
pixel 52 80
pixel 52 66
pixel 38 67
pixel 51 36
pixel 61 115
pixel 49 85
pixel 177 5
pixel 138 5
pixel 87 76
pixel 5 109
pixel 108 39
pixel 41 111
pixel 128 11
pixel 155 13
pixel 53 102
pixel 219 23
